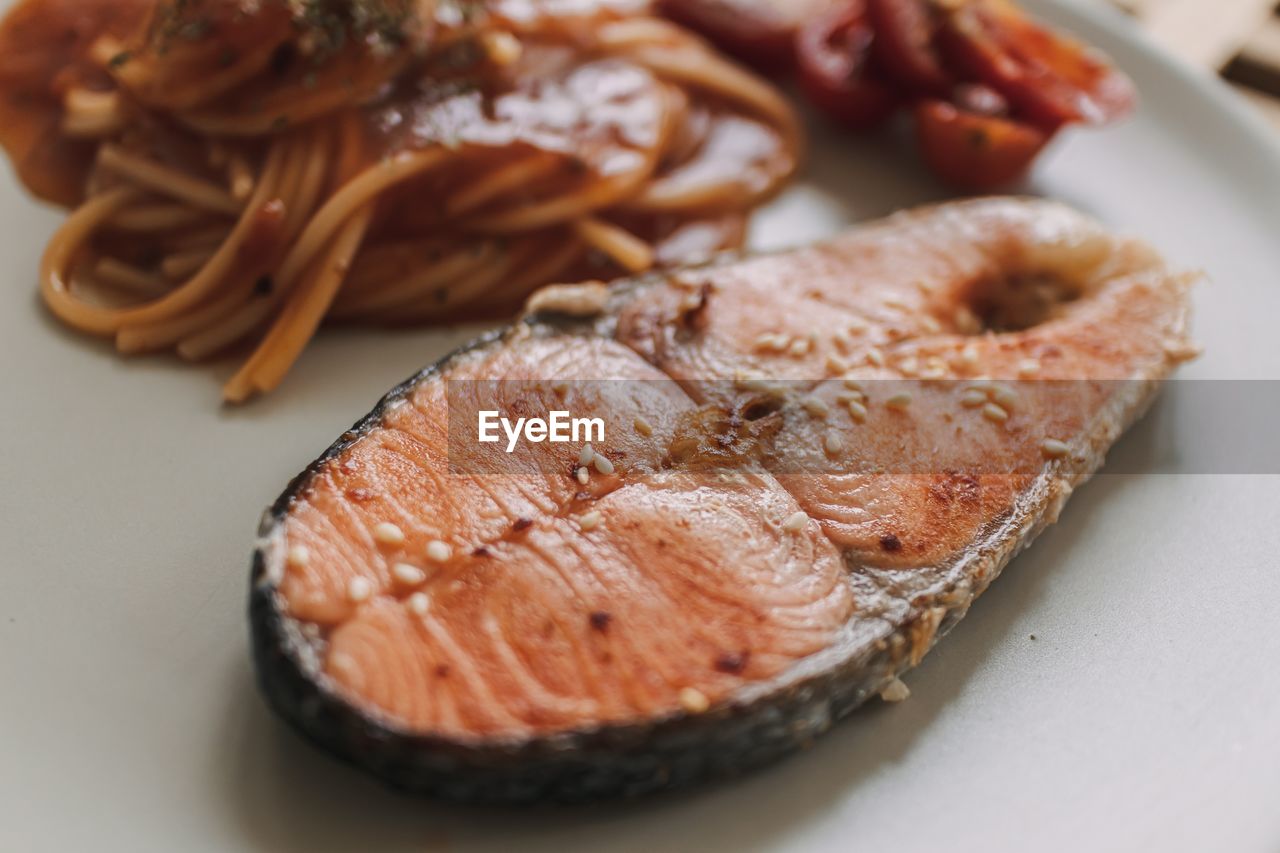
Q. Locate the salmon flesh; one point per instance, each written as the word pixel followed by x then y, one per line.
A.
pixel 814 462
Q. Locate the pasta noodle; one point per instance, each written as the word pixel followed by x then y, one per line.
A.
pixel 239 177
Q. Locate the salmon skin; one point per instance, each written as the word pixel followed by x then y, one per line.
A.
pixel 623 619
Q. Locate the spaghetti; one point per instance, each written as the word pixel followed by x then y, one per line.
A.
pixel 240 173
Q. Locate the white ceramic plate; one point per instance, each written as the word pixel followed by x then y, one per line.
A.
pixel 1143 715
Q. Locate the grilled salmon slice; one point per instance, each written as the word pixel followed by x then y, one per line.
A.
pixel 1028 307
pixel 510 602
pixel 814 461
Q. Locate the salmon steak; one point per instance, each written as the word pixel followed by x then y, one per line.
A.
pixel 810 464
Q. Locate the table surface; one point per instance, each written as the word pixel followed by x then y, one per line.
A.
pixel 1238 38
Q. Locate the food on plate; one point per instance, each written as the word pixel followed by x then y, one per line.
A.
pixel 241 172
pixel 860 61
pixel 975 150
pixel 813 462
pixel 760 32
pixel 1049 79
pixel 833 57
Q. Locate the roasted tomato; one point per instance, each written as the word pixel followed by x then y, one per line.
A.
pixel 761 33
pixel 904 45
pixel 834 56
pixel 979 99
pixel 971 151
pixel 1050 79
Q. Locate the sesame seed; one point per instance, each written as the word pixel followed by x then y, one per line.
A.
pixel 857 411
pixel 993 412
pixel 854 385
pixel 800 347
pixel 973 398
pixel 298 556
pixel 643 427
pixel 419 603
pixel 969 355
pixel 875 357
pixel 909 366
pixel 1182 350
pixel 694 701
pixel 603 465
pixel 1053 448
pixel 687 281
pixel 438 552
pixel 815 407
pixel 899 401
pixel 770 342
pixel 691 302
pixel 408 574
pixel 837 365
pixel 1004 395
pixel 895 691
pixel 841 342
pixel 753 383
pixel 359 590
pixel 1028 367
pixel 503 48
pixel 833 443
pixel 966 321
pixel 584 458
pixel 590 521
pixel 856 327
pixel 795 522
pixel 582 475
pixel 930 324
pixel 386 533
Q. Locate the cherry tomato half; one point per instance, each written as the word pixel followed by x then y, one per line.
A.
pixel 904 45
pixel 1049 79
pixel 833 53
pixel 975 152
pixel 761 33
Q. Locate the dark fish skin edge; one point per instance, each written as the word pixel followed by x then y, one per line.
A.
pixel 660 754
